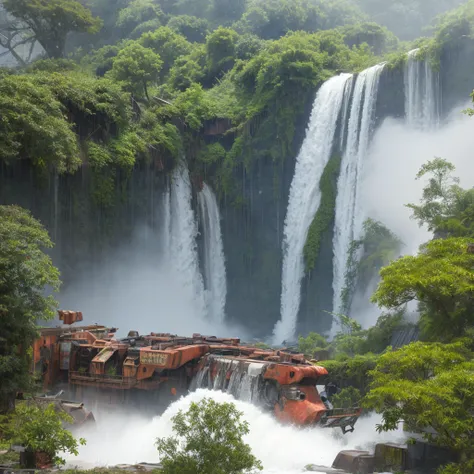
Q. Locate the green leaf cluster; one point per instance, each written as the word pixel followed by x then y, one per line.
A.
pixel 208 440
pixel 430 387
pixel 41 430
pixel 25 273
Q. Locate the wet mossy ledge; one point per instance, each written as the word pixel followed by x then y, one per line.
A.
pixel 324 217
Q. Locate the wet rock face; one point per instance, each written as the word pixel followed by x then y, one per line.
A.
pixel 355 462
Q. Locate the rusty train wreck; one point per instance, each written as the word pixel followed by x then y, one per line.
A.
pixel 156 369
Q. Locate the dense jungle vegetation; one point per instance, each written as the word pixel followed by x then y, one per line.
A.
pixel 103 86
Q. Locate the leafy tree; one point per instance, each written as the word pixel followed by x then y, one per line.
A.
pixel 136 13
pixel 168 44
pixel 441 279
pixel 376 249
pixel 379 38
pixel 353 372
pixel 50 21
pixel 349 397
pixel 136 66
pixel 428 386
pixel 220 46
pixel 194 29
pixel 208 440
pixel 226 11
pixel 34 127
pixel 446 208
pixel 25 273
pixel 311 343
pixel 40 430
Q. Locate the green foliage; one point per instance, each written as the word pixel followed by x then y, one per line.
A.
pixel 440 278
pixel 380 39
pixel 136 67
pixel 168 44
pixel 351 371
pixel 311 343
pixel 213 153
pixel 41 430
pixel 376 249
pixel 324 217
pixel 428 386
pixel 348 397
pixel 446 208
pixel 94 104
pixel 136 13
pixel 49 22
pixel 272 19
pixel 34 126
pixel 192 28
pixel 220 47
pixel 208 440
pixel 26 271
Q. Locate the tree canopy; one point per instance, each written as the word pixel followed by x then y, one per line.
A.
pixel 430 387
pixel 50 21
pixel 208 440
pixel 26 271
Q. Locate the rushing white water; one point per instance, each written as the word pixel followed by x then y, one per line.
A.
pixel 180 231
pixel 305 197
pixel 214 263
pixel 421 93
pixel 282 449
pixel 349 212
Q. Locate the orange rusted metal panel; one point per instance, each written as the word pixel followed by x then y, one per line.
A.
pixel 97 366
pixel 70 317
pixel 302 412
pixel 291 374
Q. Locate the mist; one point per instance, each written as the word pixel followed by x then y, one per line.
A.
pixel 137 288
pixel 396 154
pixel 283 449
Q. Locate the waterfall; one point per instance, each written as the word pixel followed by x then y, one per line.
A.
pixel 214 263
pixel 305 197
pixel 349 214
pixel 421 93
pixel 179 238
pixel 245 382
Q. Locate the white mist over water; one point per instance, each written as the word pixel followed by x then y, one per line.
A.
pixel 349 212
pixel 422 90
pixel 214 261
pixel 283 449
pixel 151 284
pixel 305 197
pixel 397 153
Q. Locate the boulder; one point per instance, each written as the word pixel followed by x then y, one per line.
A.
pixel 391 457
pixel 354 462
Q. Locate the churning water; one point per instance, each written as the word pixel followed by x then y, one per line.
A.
pixel 283 449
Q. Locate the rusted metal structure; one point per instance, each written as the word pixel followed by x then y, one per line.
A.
pixel 156 369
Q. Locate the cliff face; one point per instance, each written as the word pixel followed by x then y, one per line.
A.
pixel 85 234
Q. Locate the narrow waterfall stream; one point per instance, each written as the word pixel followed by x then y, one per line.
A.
pixel 179 237
pixel 214 262
pixel 305 197
pixel 421 93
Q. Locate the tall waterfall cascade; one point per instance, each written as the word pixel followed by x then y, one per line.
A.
pixel 422 90
pixel 350 215
pixel 179 238
pixel 305 197
pixel 214 263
